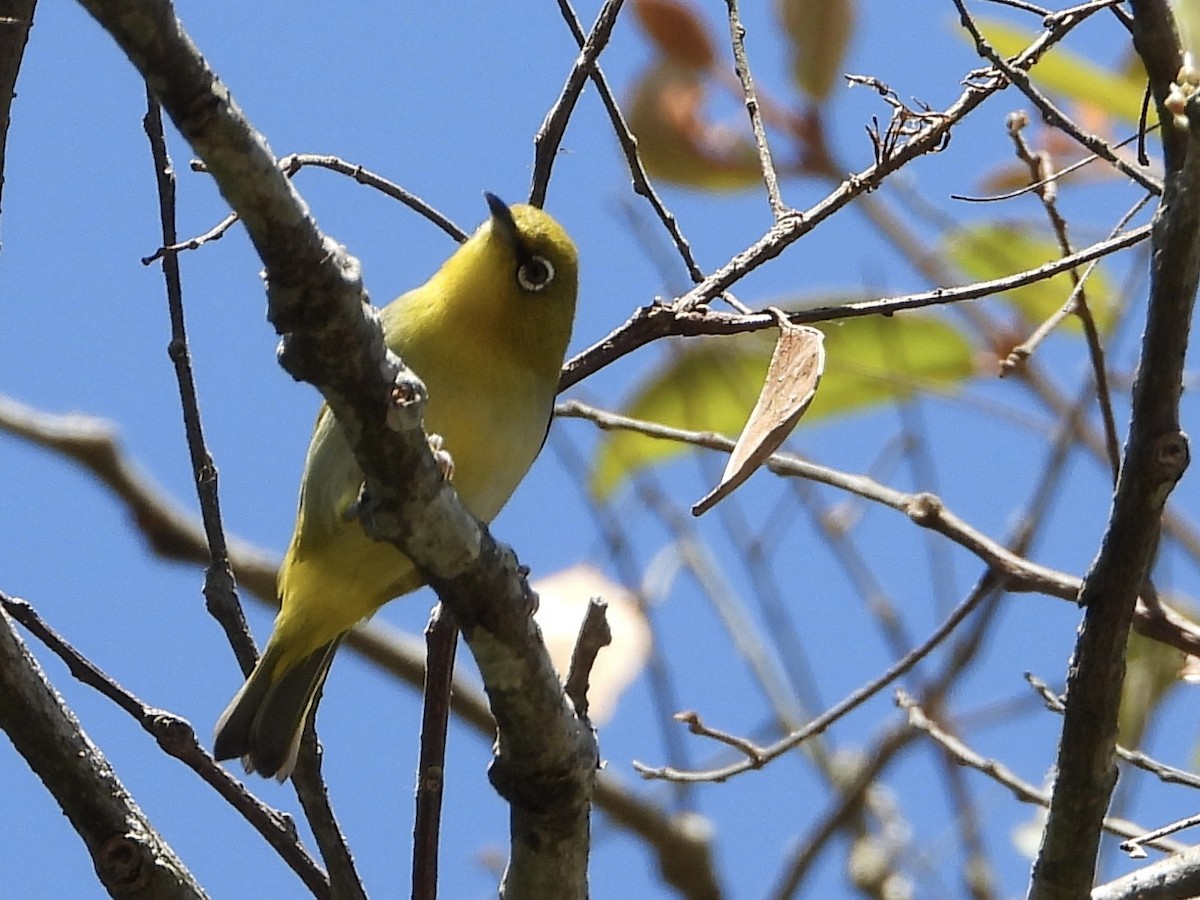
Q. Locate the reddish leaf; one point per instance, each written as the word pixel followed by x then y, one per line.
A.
pixel 677 31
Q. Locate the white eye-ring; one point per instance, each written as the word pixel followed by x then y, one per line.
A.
pixel 535 273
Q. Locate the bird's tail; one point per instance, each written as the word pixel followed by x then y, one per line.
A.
pixel 263 722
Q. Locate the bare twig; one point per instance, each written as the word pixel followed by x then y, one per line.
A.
pixel 294 162
pixel 1000 773
pixel 1156 456
pixel 641 181
pixel 220 590
pixel 594 635
pixel 1053 177
pixel 1077 301
pixel 650 323
pixel 441 642
pixel 550 135
pixel 755 757
pixel 926 510
pixel 923 509
pixel 178 739
pixel 1050 112
pixel 737 35
pixel 1025 349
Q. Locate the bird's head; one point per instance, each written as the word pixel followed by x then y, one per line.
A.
pixel 517 278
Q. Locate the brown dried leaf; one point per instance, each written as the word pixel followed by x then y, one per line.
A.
pixel 677 31
pixel 791 383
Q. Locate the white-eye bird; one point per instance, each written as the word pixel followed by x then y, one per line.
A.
pixel 487 334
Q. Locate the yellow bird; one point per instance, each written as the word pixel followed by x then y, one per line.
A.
pixel 487 334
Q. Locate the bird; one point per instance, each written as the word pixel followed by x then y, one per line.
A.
pixel 487 333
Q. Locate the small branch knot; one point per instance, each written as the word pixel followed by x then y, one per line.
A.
pixel 1171 456
pixel 924 509
pixel 545 792
pixel 174 734
pixel 120 862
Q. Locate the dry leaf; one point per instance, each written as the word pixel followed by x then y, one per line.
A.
pixel 676 140
pixel 677 30
pixel 790 385
pixel 563 599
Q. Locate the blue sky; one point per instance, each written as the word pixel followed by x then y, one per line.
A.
pixel 445 99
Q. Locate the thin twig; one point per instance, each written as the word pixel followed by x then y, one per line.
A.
pixel 1074 12
pixel 1000 773
pixel 594 635
pixel 1050 112
pixel 1054 176
pixel 1025 6
pixel 641 181
pixel 292 164
pixel 441 642
pixel 652 322
pixel 737 37
pixel 1025 349
pixel 1018 574
pixel 220 590
pixel 550 135
pixel 178 739
pixel 1077 301
pixel 756 757
pixel 923 509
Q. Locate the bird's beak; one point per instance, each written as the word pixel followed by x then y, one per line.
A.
pixel 503 222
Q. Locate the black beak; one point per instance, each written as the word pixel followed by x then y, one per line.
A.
pixel 505 226
pixel 502 222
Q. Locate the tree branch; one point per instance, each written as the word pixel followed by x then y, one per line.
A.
pixel 681 844
pixel 16 18
pixel 131 858
pixel 546 757
pixel 1156 455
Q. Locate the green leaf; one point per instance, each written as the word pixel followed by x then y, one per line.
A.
pixel 818 31
pixel 711 384
pixel 1069 75
pixel 1151 670
pixel 993 250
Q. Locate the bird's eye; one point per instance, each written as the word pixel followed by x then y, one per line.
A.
pixel 535 273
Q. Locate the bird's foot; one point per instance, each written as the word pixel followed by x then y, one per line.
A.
pixel 441 456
